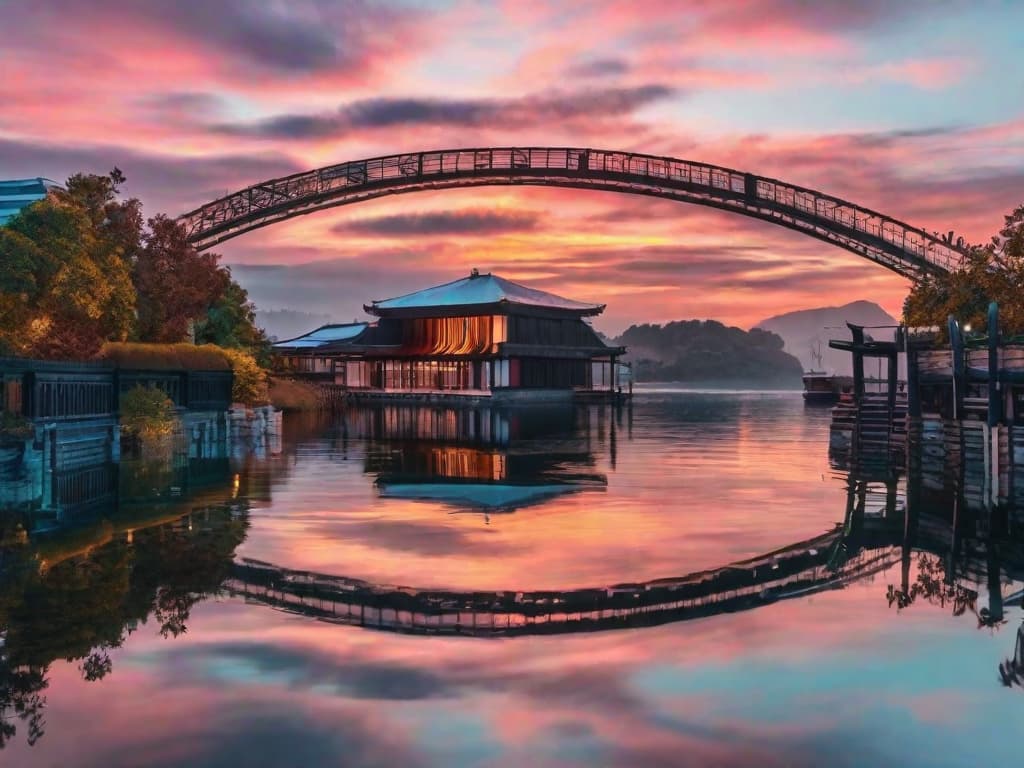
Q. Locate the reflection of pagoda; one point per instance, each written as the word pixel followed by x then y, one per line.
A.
pixel 480 460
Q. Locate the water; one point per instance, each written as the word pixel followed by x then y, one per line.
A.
pixel 163 646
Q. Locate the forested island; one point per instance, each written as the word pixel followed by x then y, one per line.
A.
pixel 708 353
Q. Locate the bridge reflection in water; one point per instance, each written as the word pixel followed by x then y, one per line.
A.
pixel 947 550
pixel 170 541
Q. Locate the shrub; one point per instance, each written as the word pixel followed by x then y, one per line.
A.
pixel 290 395
pixel 159 357
pixel 12 425
pixel 250 385
pixel 147 412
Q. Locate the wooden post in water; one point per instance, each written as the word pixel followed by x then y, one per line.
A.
pixel 995 587
pixel 913 384
pixel 995 401
pixel 858 363
pixel 893 376
pixel 995 404
pixel 956 344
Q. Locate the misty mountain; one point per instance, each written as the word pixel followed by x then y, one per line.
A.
pixel 708 353
pixel 807 328
pixel 288 323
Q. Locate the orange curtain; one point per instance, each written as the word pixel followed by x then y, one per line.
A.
pixel 450 335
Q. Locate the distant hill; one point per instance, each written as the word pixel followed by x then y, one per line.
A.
pixel 807 328
pixel 288 323
pixel 708 353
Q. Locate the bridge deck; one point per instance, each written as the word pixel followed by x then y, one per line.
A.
pixel 908 250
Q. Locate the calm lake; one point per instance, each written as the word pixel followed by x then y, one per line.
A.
pixel 685 580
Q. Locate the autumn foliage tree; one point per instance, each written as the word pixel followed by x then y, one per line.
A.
pixel 65 287
pixel 993 272
pixel 175 283
pixel 82 267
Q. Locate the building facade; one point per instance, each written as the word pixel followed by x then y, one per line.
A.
pixel 481 336
pixel 15 194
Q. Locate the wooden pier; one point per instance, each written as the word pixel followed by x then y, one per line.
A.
pixel 961 408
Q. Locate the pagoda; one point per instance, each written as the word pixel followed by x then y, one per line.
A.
pixel 482 336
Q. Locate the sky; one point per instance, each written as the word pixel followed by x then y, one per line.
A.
pixel 910 108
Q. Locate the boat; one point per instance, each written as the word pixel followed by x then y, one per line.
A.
pixel 821 386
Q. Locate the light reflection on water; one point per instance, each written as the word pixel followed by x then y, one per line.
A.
pixel 545 500
pixel 677 487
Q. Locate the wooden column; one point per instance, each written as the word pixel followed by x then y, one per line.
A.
pixel 995 587
pixel 893 375
pixel 995 400
pixel 913 384
pixel 956 344
pixel 858 362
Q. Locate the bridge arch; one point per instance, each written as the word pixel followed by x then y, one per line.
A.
pixel 910 251
pixel 802 568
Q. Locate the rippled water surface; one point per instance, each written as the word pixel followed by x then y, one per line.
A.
pixel 835 646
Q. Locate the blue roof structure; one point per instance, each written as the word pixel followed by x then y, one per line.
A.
pixel 324 335
pixel 15 194
pixel 481 289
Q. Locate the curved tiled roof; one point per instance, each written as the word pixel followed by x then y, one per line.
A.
pixel 325 334
pixel 478 289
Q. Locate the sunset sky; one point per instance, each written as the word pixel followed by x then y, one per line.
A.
pixel 910 107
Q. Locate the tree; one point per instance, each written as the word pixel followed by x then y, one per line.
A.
pixel 993 272
pixel 118 222
pixel 231 322
pixel 70 289
pixel 176 284
pixel 250 381
pixel 81 268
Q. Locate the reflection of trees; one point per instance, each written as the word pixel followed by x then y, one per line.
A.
pixel 1011 671
pixel 82 607
pixel 930 586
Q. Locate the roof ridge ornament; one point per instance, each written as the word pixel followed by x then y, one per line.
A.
pixel 474 272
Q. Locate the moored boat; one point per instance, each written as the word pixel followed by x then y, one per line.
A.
pixel 822 387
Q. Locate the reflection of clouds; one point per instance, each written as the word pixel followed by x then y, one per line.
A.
pixel 269 733
pixel 419 537
pixel 252 663
pixel 804 683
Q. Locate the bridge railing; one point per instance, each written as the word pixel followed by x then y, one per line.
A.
pixel 670 177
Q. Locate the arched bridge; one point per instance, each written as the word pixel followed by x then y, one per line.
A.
pixel 815 565
pixel 907 250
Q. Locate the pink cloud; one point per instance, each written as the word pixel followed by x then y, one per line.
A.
pixel 322 85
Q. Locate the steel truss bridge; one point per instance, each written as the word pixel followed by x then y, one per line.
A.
pixel 907 250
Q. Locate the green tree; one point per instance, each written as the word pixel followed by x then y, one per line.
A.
pixel 70 290
pixel 231 322
pixel 81 267
pixel 993 272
